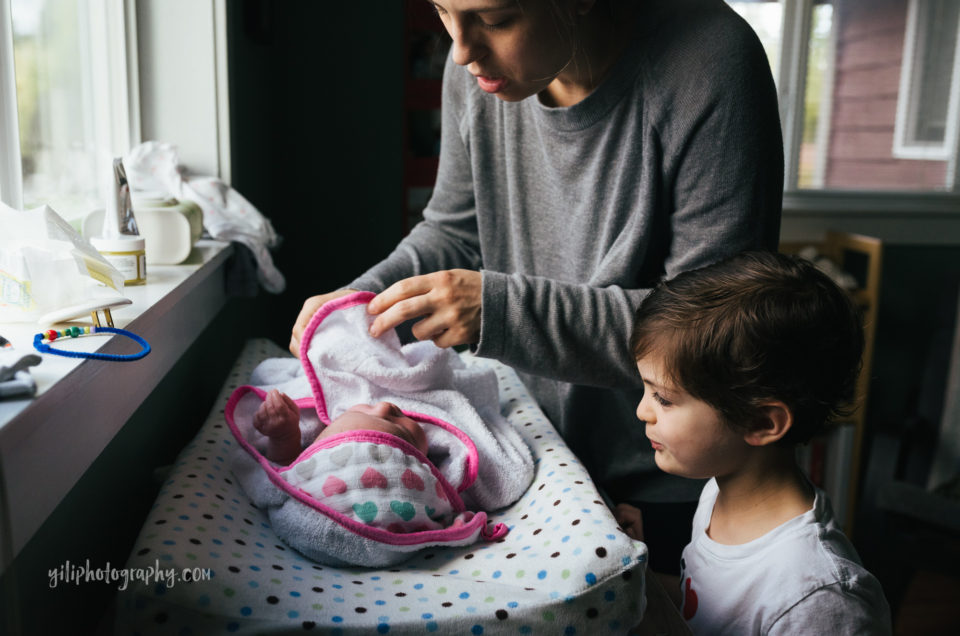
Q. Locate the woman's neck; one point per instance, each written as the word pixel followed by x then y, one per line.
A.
pixel 602 37
pixel 761 496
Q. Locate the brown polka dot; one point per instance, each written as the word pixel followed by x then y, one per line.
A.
pixel 601 552
pixel 502 614
pixel 592 612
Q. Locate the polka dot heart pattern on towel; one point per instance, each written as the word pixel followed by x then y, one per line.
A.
pixel 564 568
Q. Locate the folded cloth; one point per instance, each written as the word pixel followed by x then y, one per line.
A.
pixel 227 215
pixel 368 498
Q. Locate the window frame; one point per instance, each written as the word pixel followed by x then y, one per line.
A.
pixel 818 206
pixel 907 103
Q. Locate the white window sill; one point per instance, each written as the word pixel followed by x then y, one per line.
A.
pixel 43 452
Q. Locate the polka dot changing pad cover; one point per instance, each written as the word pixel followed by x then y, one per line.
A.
pixel 212 564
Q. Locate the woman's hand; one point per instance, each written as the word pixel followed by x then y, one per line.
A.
pixel 630 519
pixel 449 302
pixel 310 307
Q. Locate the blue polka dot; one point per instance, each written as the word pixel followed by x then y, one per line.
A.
pixel 383 628
pixel 565 539
pixel 203 601
pixel 337 619
pixel 426 616
pixel 464 595
pixel 570 630
pixel 232 627
pixel 255 568
pixel 609 595
pixel 418 586
pixel 476 629
pixel 512 604
pixel 293 613
pixel 246 611
pixel 295 594
pixel 380 602
pixel 591 578
pixel 253 584
pixel 497 574
pixel 542 574
pixel 432 626
pixel 526 629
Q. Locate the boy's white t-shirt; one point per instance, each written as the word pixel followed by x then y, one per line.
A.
pixel 803 577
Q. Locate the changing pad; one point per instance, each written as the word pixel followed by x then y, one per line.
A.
pixel 215 566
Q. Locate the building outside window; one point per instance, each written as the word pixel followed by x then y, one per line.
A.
pixel 868 91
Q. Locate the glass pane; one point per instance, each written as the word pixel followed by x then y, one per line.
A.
pixel 57 105
pixel 852 91
pixel 766 18
pixel 935 55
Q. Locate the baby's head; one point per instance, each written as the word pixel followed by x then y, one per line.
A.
pixel 755 328
pixel 382 416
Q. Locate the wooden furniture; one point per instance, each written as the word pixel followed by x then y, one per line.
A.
pixel 862 257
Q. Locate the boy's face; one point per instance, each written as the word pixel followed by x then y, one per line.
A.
pixel 687 434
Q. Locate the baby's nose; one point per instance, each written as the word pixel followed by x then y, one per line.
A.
pixel 385 409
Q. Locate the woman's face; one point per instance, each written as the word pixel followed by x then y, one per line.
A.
pixel 513 48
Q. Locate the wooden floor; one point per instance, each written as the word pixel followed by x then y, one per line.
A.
pixel 931 606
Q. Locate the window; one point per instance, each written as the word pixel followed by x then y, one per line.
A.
pixel 69 112
pixel 868 91
pixel 927 105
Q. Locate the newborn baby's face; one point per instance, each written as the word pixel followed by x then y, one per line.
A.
pixel 382 416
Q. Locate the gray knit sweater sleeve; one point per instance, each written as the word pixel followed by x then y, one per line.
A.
pixel 572 214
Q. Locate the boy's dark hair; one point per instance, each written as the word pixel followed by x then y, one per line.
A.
pixel 756 327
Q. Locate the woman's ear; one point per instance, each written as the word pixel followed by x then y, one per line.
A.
pixel 775 421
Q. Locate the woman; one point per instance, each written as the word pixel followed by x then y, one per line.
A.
pixel 588 149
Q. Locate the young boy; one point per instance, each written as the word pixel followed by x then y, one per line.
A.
pixel 741 361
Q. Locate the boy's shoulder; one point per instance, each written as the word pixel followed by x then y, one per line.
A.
pixel 804 570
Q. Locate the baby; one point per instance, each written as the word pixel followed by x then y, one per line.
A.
pixel 740 362
pixel 278 418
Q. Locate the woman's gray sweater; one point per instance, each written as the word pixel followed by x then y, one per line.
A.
pixel 572 214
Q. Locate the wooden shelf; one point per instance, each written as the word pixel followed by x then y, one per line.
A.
pixel 861 256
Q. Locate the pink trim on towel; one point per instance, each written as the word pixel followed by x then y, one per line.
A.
pixel 473 523
pixel 362 298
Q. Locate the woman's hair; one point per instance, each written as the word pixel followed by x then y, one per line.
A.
pixel 756 327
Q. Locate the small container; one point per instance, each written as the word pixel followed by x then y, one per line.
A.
pixel 128 255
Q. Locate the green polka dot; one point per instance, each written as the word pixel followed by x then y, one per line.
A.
pixel 192 557
pixel 236 555
pixel 489 599
pixel 276 581
pixel 228 592
pixel 403 609
pixel 441 590
pixel 398 582
pixel 475 573
pixel 565 574
pixel 519 574
pixel 548 616
pixel 317 606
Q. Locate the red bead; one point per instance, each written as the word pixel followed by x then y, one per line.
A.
pixel 51 335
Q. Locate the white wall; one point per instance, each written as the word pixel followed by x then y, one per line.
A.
pixel 183 80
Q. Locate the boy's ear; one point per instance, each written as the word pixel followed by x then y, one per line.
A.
pixel 776 419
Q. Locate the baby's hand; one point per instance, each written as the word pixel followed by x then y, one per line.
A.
pixel 630 519
pixel 278 417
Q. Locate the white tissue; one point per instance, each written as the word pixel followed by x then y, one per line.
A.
pixel 227 216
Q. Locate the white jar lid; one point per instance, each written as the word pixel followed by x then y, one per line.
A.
pixel 123 244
